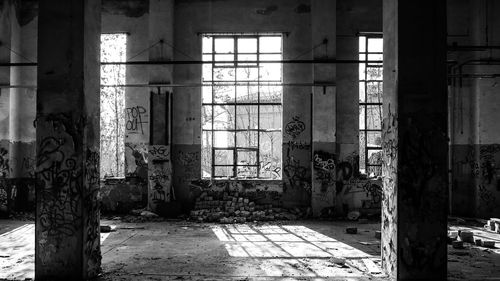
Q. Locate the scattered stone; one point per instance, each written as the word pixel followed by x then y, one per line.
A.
pixel 338 261
pixel 148 214
pixel 489 244
pixel 351 230
pixel 107 228
pixel 458 244
pixel 354 215
pixel 467 236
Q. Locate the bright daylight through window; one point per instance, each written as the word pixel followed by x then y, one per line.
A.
pixel 242 106
pixel 370 105
pixel 113 49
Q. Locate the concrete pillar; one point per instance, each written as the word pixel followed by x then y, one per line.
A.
pixel 161 34
pixel 323 114
pixel 415 193
pixel 67 216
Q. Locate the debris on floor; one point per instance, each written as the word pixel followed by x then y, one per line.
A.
pixel 493 225
pixel 351 230
pixel 107 228
pixel 232 207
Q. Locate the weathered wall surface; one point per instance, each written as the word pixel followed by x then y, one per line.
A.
pixel 131 17
pixel 474 110
pixel 244 16
pixel 306 25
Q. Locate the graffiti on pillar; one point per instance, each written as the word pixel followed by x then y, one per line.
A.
pixel 389 196
pixel 59 175
pixel 296 160
pixel 296 174
pixel 4 171
pixel 4 162
pixel 136 160
pixel 136 119
pixel 159 175
pixel 324 169
pixel 92 249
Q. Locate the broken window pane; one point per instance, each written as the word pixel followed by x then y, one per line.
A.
pixel 223 172
pixel 224 118
pixel 247 157
pixel 223 94
pixel 223 157
pixel 374 94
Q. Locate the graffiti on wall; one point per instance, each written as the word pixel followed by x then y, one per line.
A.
pixel 136 120
pixel 295 127
pixel 488 156
pixel 190 161
pixel 159 175
pixel 136 160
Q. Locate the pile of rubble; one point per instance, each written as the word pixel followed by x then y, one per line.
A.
pixel 231 207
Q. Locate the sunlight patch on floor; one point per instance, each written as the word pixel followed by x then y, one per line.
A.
pixel 294 251
pixel 17 252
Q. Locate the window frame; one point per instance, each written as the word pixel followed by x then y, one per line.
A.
pixel 120 165
pixel 258 83
pixel 365 104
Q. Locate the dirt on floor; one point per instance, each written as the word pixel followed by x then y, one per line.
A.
pixel 151 248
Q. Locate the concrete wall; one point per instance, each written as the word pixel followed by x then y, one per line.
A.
pixel 332 128
pixel 192 17
pixel 474 114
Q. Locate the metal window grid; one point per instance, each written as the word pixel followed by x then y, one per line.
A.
pixel 259 82
pixel 365 104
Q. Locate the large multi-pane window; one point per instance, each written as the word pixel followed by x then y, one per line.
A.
pixel 370 104
pixel 242 106
pixel 112 156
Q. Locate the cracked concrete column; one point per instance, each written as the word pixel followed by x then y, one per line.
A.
pixel 415 142
pixel 67 127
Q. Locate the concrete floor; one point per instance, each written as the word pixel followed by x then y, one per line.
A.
pixel 300 250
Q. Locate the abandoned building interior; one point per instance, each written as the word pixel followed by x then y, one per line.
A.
pixel 249 140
